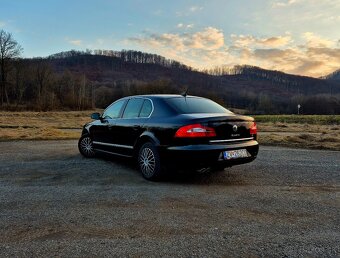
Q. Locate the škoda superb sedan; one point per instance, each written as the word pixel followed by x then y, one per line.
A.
pixel 165 130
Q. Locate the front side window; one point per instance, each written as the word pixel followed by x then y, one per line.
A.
pixel 133 108
pixel 114 110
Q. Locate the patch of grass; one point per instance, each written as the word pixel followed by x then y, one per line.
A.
pixel 330 141
pixel 47 133
pixel 315 136
pixel 42 125
pixel 321 132
pixel 72 119
pixel 300 119
pixel 294 127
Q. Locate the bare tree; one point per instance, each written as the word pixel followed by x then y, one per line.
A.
pixel 9 49
pixel 19 78
pixel 43 78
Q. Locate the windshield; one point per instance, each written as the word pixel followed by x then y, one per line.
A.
pixel 191 105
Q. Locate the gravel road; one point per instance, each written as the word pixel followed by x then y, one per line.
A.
pixel 53 202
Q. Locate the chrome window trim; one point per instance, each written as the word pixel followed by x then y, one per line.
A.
pixel 138 116
pixel 232 140
pixel 128 98
pixel 113 145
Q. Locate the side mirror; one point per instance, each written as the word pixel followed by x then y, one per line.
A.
pixel 95 116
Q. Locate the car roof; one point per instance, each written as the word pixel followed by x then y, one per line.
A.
pixel 163 96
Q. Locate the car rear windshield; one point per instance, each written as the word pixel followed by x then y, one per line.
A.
pixel 191 105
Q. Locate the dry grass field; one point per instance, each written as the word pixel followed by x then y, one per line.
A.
pixel 300 135
pixel 302 131
pixel 42 125
pixel 318 132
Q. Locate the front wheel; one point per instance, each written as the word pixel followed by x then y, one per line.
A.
pixel 149 161
pixel 85 146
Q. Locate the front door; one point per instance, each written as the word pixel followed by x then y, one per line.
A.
pixel 102 133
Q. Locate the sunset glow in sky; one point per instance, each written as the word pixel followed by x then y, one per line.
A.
pixel 294 36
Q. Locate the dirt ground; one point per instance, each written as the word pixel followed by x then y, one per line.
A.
pixel 55 203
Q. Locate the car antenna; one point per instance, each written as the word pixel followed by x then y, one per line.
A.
pixel 185 93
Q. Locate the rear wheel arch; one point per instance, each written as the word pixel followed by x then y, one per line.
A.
pixel 144 138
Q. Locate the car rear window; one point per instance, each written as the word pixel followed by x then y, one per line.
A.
pixel 190 105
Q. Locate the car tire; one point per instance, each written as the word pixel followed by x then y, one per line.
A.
pixel 85 146
pixel 149 162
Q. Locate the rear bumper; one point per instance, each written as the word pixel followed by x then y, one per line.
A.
pixel 207 154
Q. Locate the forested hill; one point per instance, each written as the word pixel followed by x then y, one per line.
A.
pixel 333 76
pixel 78 80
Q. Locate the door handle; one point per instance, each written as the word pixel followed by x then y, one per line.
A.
pixel 135 127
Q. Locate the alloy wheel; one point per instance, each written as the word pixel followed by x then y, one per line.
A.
pixel 147 162
pixel 87 147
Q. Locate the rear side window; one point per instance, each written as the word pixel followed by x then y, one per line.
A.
pixel 146 109
pixel 192 105
pixel 133 108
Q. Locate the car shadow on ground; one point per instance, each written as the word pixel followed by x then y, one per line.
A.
pixel 179 176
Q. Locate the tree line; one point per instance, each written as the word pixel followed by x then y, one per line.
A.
pixel 78 80
pixel 125 56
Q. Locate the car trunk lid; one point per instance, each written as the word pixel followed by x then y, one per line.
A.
pixel 227 127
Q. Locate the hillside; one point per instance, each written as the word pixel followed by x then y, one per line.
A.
pixel 87 79
pixel 131 66
pixel 333 76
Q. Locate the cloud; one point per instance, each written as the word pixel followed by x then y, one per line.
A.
pixel 251 41
pixel 316 41
pixel 274 54
pixel 195 8
pixel 210 38
pixel 198 49
pixel 313 56
pixel 304 61
pixel 186 26
pixel 97 43
pixel 309 66
pixel 75 42
pixel 165 40
pixel 191 10
pixel 284 4
pixel 2 24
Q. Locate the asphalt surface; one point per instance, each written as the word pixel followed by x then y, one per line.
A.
pixel 54 202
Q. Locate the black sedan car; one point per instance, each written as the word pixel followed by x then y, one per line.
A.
pixel 165 130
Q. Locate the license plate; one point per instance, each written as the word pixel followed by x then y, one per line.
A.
pixel 235 154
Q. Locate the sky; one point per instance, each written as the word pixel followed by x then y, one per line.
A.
pixel 294 36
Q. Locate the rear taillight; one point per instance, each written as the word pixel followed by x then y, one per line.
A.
pixel 196 130
pixel 253 128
